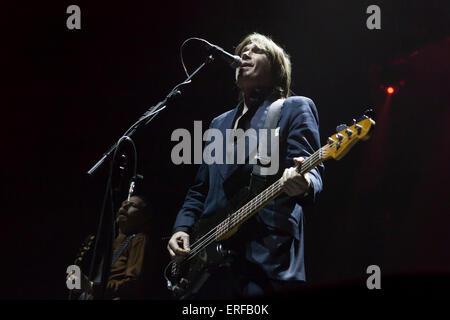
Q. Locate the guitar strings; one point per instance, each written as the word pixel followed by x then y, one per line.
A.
pixel 230 220
pixel 209 237
pixel 193 254
pixel 241 214
pixel 308 162
pixel 221 226
pixel 250 205
pixel 236 217
pixel 212 237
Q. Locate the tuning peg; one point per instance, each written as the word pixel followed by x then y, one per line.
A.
pixel 341 127
pixel 367 113
pixel 340 136
pixel 330 141
pixel 348 132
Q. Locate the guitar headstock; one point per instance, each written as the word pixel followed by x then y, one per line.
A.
pixel 84 249
pixel 340 143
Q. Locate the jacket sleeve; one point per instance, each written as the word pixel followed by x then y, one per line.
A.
pixel 303 139
pixel 194 202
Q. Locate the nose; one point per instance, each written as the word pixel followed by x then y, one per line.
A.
pixel 125 204
pixel 246 55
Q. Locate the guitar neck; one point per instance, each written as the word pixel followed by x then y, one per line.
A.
pixel 262 199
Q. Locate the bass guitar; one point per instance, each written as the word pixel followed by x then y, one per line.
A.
pixel 209 235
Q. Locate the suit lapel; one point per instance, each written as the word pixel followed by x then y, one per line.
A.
pixel 227 123
pixel 257 122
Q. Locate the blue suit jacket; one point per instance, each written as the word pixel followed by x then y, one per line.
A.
pixel 279 251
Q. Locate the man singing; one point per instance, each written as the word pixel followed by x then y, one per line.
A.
pixel 269 247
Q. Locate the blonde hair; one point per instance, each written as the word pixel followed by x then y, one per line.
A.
pixel 280 61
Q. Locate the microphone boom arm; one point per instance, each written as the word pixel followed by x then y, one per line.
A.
pixel 150 114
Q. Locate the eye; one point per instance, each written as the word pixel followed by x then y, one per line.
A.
pixel 258 50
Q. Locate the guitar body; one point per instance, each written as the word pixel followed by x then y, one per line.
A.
pixel 190 274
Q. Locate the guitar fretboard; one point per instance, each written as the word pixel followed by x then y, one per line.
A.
pixel 262 199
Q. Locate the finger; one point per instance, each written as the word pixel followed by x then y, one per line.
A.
pixel 299 160
pixel 172 248
pixel 286 178
pixel 289 173
pixel 172 254
pixel 283 177
pixel 180 251
pixel 173 245
pixel 177 249
pixel 186 244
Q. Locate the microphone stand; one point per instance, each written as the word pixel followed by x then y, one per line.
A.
pixel 102 256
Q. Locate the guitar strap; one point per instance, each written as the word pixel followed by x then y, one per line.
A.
pixel 121 248
pixel 117 253
pixel 264 146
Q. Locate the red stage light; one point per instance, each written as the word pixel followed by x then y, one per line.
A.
pixel 390 90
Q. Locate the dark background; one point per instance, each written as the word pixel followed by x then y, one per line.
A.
pixel 67 95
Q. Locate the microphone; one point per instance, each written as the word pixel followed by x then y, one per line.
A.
pixel 232 60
